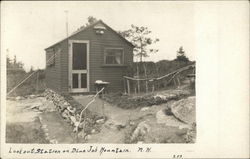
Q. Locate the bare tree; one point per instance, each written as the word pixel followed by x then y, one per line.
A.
pixel 140 38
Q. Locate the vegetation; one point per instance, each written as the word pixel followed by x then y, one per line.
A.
pixel 139 37
pixel 16 73
pixel 181 55
pixel 149 99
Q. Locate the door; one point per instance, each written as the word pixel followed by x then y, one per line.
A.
pixel 78 66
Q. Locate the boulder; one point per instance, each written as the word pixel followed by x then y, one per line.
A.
pixel 142 129
pixel 115 125
pixel 18 98
pixel 184 110
pixel 82 125
pixel 65 114
pixel 32 96
pixel 93 131
pixel 144 108
pixel 81 134
pixel 100 121
pixel 71 110
pixel 73 120
pixel 169 120
pixel 87 137
pixel 53 141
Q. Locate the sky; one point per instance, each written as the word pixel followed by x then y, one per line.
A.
pixel 29 27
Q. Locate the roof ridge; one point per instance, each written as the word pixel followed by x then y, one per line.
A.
pixel 84 28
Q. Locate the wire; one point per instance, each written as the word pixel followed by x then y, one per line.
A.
pixel 28 77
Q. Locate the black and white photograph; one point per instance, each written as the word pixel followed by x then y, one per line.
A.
pixel 99 84
pixel 106 72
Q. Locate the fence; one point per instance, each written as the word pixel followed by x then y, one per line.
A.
pixel 175 78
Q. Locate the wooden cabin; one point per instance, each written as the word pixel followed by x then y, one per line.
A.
pixel 92 53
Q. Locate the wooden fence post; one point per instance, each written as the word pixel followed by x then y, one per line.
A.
pixel 139 89
pixel 153 86
pixel 37 78
pixel 179 83
pixel 103 113
pixel 124 82
pixel 128 86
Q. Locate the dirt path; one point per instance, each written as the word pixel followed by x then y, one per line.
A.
pixel 22 122
pixel 58 130
pixel 29 121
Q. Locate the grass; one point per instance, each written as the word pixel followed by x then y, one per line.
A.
pixel 149 99
pixel 33 85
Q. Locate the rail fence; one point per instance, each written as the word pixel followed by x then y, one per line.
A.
pixel 175 78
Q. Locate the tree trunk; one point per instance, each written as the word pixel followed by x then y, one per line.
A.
pixel 138 76
pixel 145 73
pixel 37 81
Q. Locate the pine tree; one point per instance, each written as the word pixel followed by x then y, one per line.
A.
pixel 181 55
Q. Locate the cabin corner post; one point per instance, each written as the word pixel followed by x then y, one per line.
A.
pixel 69 65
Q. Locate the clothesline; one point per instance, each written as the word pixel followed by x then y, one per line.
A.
pixel 159 78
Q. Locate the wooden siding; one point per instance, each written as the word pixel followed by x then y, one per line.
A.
pixel 98 43
pixel 64 67
pixel 52 73
pixel 97 70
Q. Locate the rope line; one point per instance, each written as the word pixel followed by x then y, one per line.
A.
pixel 159 78
pixel 20 83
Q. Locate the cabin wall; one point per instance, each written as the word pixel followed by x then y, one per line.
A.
pixel 64 67
pixel 53 73
pixel 97 70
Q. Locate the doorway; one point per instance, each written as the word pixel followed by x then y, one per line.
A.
pixel 78 66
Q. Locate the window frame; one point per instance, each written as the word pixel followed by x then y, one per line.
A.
pixel 114 48
pixel 51 63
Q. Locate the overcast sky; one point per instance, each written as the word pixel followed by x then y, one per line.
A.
pixel 29 27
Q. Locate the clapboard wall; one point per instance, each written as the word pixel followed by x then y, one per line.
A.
pixel 97 69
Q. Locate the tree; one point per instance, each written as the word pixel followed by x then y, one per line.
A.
pixel 139 37
pixel 181 55
pixel 91 20
pixel 31 69
pixel 14 61
pixel 8 61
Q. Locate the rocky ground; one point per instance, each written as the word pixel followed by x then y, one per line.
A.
pixel 169 119
pixel 53 118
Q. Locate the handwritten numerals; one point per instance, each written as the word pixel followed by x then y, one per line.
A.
pixel 177 156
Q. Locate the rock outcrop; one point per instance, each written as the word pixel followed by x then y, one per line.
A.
pixel 184 110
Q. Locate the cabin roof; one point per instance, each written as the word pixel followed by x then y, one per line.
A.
pixel 89 26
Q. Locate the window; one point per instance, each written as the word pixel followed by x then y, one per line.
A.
pixel 50 60
pixel 113 56
pixel 51 56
